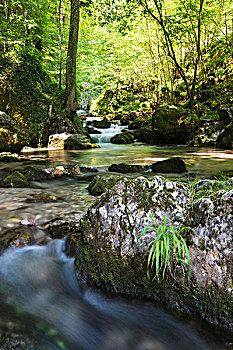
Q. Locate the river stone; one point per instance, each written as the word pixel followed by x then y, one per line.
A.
pixel 172 165
pixel 109 256
pixel 22 177
pixel 102 183
pixel 70 141
pixel 123 138
pixel 102 124
pixel 127 168
pixel 207 134
pixel 9 157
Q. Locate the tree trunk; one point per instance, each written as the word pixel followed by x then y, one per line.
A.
pixel 71 102
pixel 60 62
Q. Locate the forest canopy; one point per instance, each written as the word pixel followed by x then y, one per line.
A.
pixel 167 48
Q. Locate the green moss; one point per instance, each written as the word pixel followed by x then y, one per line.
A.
pixel 102 183
pixel 16 179
pixel 106 268
pixel 123 138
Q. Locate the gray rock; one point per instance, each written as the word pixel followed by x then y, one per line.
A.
pixel 109 256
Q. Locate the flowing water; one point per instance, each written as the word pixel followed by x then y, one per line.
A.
pixel 39 293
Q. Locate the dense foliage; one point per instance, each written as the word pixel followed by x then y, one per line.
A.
pixel 138 54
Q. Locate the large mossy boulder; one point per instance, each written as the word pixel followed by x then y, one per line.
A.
pixel 9 157
pixel 172 165
pixel 123 138
pixel 22 177
pixel 102 183
pixel 169 125
pixel 225 138
pixel 14 179
pixel 109 255
pixel 70 141
pixel 102 124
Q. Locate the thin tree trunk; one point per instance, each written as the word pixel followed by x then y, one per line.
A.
pixel 60 61
pixel 198 54
pixel 71 102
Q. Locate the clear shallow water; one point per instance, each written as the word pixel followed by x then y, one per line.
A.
pixel 203 161
pixel 40 283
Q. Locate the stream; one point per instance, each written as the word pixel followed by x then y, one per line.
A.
pixel 40 295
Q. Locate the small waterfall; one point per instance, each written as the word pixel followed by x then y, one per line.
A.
pixel 107 134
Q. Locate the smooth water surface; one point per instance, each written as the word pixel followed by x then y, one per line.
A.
pixel 202 161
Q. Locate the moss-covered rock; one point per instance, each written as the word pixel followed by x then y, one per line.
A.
pixel 127 168
pixel 123 138
pixel 102 124
pixel 225 138
pixel 11 141
pixel 22 177
pixel 9 157
pixel 15 179
pixel 78 141
pixel 109 255
pixel 172 165
pixel 168 125
pixel 102 183
pixel 71 141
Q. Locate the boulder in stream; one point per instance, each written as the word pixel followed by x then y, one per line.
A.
pixel 9 157
pixel 123 138
pixel 109 255
pixel 127 168
pixel 172 165
pixel 70 141
pixel 102 124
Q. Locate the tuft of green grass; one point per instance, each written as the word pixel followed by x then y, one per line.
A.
pixel 167 249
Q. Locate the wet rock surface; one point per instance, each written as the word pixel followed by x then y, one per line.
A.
pixel 172 165
pixel 128 168
pixel 123 138
pixel 169 125
pixel 110 257
pixel 70 141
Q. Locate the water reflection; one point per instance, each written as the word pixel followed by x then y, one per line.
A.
pixel 203 161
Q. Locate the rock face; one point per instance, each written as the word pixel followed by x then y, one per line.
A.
pixel 102 183
pixel 172 165
pixel 123 138
pixel 109 256
pixel 70 141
